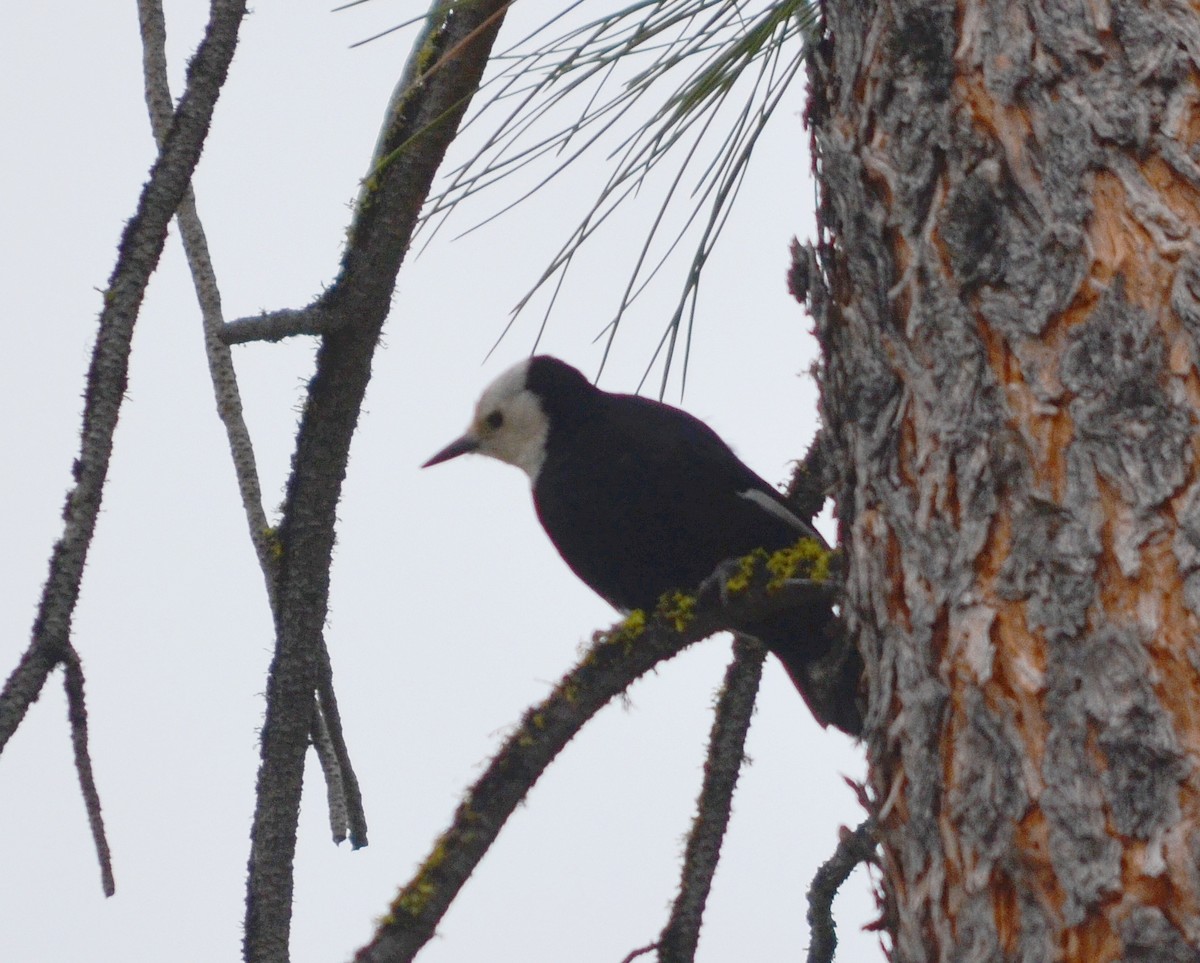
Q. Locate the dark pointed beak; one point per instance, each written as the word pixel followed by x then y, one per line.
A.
pixel 460 446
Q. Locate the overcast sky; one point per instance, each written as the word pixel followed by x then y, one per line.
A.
pixel 450 610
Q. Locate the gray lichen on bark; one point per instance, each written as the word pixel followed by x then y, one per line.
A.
pixel 990 797
pixel 1131 428
pixel 1149 937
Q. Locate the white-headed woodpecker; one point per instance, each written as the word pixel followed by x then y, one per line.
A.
pixel 641 498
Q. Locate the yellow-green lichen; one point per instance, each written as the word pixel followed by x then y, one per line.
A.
pixel 416 895
pixel 535 720
pixel 808 558
pixel 274 544
pixel 628 631
pixel 427 54
pixel 740 580
pixel 677 609
pixel 634 624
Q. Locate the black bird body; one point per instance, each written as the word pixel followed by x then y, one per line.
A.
pixel 641 498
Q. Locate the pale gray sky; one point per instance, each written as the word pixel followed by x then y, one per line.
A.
pixel 450 610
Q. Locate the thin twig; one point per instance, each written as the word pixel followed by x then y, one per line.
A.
pixel 640 951
pixel 277 325
pixel 335 794
pixel 327 707
pixel 726 752
pixel 208 294
pixel 853 848
pixel 77 716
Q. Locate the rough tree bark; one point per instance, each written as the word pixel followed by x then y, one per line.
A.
pixel 1010 308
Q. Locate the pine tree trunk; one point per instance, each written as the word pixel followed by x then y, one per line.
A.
pixel 1010 308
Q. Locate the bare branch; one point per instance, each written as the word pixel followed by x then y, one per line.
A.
pixel 812 481
pixel 853 848
pixel 140 248
pixel 726 751
pixel 640 951
pixel 208 294
pixel 340 778
pixel 77 715
pixel 327 707
pixel 439 80
pixel 335 794
pixel 277 325
pixel 614 661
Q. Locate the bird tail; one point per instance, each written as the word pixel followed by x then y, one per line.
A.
pixel 826 669
pixel 829 686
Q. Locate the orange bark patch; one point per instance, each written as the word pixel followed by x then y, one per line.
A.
pixel 1124 246
pixel 1093 942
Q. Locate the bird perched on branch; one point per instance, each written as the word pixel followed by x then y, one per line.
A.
pixel 641 498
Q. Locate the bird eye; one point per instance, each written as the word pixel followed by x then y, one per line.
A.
pixel 494 420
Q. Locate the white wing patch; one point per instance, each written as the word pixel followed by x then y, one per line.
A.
pixel 765 501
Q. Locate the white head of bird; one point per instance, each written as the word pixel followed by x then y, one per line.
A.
pixel 509 424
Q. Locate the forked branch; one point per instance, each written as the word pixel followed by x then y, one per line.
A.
pixel 137 257
pixel 345 803
pixel 442 75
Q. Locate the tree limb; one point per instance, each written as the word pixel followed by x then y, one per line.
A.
pixel 277 325
pixel 615 660
pixel 343 811
pixel 140 248
pixel 812 480
pixel 853 848
pixel 726 752
pixel 439 80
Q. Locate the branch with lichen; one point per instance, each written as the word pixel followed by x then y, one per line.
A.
pixel 613 662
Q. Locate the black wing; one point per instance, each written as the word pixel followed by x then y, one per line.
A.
pixel 643 498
